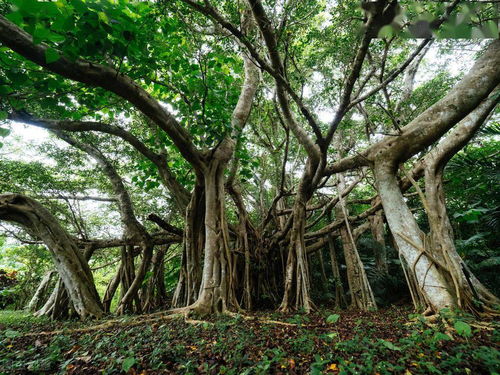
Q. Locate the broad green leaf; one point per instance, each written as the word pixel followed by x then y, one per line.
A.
pixel 462 328
pixel 4 132
pixel 128 363
pixel 333 318
pixel 439 336
pixel 390 345
pixel 12 334
pixel 4 90
pixel 51 55
pixel 15 17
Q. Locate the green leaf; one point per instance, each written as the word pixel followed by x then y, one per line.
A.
pixel 4 132
pixel 12 334
pixel 128 363
pixel 333 318
pixel 3 116
pixel 439 336
pixel 40 34
pixel 103 17
pixel 15 17
pixel 4 90
pixel 51 55
pixel 462 328
pixel 390 345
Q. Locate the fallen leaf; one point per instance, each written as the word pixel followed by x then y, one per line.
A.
pixel 332 367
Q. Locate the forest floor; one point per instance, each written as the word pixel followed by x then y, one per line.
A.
pixel 390 341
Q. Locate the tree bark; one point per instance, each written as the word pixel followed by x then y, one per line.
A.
pixel 297 282
pixel 410 240
pixel 340 299
pixel 377 230
pixel 35 301
pixel 360 290
pixel 155 294
pixel 217 290
pixel 68 258
pixel 188 285
pixel 111 290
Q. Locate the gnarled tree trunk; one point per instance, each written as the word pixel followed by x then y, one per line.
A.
pixel 217 290
pixel 69 261
pixel 154 292
pixel 410 240
pixel 297 282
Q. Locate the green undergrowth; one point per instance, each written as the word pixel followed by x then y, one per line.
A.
pixel 384 342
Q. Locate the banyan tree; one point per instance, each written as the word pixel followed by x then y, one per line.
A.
pixel 251 144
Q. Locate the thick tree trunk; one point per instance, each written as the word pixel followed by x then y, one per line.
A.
pixel 217 292
pixel 410 241
pixel 297 282
pixel 58 304
pixel 68 258
pixel 468 291
pixel 217 288
pixel 155 293
pixel 126 278
pixel 441 277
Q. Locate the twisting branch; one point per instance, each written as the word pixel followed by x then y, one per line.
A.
pixel 266 29
pixel 106 77
pixel 275 71
pixel 132 225
pixel 181 195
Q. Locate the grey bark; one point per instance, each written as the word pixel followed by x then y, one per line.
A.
pixel 69 261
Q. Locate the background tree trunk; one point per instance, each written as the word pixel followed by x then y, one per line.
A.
pixel 40 292
pixel 377 230
pixel 359 287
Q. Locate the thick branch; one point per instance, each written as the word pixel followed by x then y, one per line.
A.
pixel 102 76
pixel 431 124
pixel 180 194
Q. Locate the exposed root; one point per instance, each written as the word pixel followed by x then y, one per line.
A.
pixel 262 320
pixel 137 321
pixel 195 321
